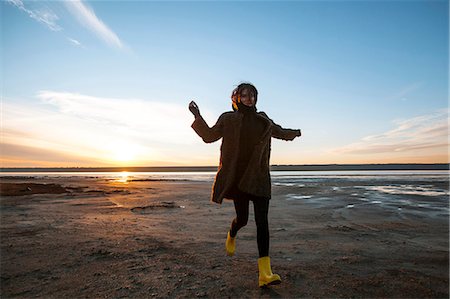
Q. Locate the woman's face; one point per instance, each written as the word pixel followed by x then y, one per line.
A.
pixel 247 98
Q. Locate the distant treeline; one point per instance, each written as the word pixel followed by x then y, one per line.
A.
pixel 321 167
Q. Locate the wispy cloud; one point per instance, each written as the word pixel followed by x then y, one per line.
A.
pixel 87 17
pixel 104 130
pixel 123 113
pixel 74 42
pixel 419 134
pixel 43 15
pixel 403 93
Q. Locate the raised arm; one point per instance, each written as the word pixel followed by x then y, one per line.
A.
pixel 282 133
pixel 201 127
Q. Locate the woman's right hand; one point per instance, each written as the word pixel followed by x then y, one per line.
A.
pixel 194 109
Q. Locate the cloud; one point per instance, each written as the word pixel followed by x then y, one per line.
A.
pixel 101 129
pixel 74 42
pixel 423 133
pixel 122 113
pixel 87 17
pixel 406 91
pixel 43 15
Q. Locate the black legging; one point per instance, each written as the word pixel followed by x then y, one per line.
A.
pixel 261 208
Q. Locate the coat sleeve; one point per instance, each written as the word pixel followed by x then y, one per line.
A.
pixel 205 132
pixel 282 133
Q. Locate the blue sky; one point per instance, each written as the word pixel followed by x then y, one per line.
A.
pixel 96 83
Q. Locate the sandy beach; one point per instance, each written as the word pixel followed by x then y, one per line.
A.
pixel 90 237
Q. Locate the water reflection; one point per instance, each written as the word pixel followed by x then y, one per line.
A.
pixel 124 177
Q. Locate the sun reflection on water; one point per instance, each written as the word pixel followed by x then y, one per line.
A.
pixel 124 177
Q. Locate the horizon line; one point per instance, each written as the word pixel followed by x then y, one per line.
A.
pixel 273 167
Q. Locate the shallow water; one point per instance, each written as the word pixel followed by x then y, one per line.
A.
pixel 426 191
pixel 402 194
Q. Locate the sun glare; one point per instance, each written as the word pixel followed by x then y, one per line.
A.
pixel 124 175
pixel 124 152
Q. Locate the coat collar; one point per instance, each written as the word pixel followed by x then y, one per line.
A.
pixel 261 115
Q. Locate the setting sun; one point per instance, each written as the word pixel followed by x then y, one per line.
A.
pixel 124 152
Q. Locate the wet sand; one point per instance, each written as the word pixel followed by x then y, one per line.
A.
pixel 98 238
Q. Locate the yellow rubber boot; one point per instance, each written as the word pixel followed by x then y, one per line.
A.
pixel 266 277
pixel 230 245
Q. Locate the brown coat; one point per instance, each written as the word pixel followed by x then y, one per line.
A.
pixel 256 179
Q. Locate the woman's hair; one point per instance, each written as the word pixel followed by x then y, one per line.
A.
pixel 235 95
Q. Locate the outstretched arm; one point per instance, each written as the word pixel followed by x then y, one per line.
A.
pixel 282 133
pixel 201 127
pixel 285 134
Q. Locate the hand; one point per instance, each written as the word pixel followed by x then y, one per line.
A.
pixel 299 133
pixel 194 109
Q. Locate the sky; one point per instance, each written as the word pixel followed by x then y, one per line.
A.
pixel 108 83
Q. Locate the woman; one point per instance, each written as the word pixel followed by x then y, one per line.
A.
pixel 243 174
